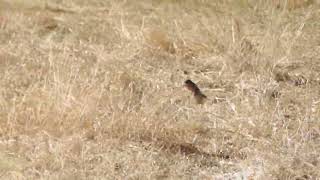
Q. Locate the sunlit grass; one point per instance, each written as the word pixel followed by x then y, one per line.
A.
pixel 94 89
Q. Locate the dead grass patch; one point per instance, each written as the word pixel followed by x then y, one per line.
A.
pixel 95 90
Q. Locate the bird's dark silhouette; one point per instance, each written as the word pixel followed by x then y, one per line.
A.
pixel 198 95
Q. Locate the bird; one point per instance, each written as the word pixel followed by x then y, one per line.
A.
pixel 198 95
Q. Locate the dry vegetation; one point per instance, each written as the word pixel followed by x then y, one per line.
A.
pixel 93 89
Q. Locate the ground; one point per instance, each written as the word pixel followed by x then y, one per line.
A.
pixel 94 89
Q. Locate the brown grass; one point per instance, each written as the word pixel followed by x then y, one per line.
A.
pixel 94 89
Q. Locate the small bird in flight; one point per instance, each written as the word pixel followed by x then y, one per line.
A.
pixel 198 95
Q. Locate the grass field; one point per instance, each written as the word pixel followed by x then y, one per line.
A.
pixel 94 89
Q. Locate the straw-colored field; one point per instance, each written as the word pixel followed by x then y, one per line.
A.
pixel 94 89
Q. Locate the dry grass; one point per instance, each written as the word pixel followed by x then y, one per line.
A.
pixel 93 89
